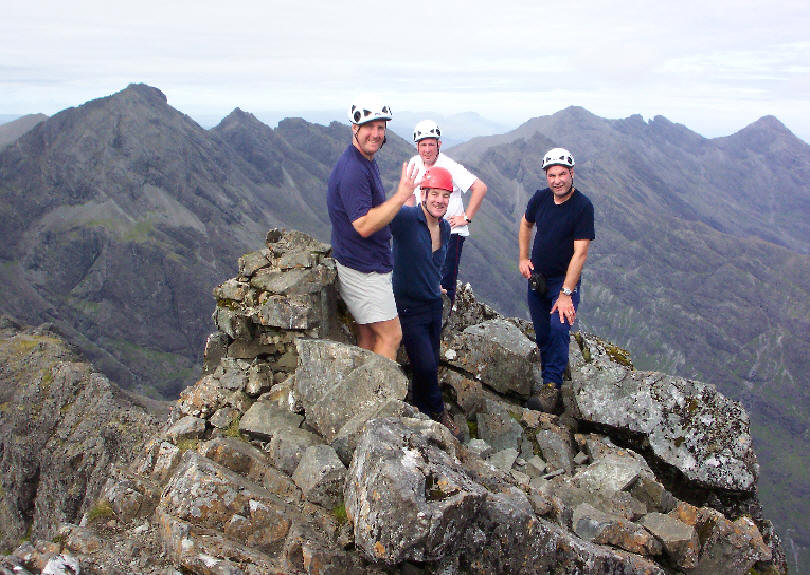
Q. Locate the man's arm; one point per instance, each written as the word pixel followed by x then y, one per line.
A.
pixel 379 217
pixel 477 192
pixel 524 235
pixel 564 304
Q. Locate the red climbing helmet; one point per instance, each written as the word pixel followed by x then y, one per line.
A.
pixel 437 178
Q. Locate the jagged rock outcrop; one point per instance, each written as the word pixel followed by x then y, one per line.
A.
pixel 297 452
pixel 62 426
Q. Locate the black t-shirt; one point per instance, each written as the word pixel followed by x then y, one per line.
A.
pixel 558 225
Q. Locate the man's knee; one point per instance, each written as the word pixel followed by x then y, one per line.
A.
pixel 388 332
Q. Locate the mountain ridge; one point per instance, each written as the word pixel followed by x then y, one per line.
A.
pixel 102 201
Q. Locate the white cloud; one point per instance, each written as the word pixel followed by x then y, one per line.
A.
pixel 714 67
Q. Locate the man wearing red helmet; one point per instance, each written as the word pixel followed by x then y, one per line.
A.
pixel 426 135
pixel 421 235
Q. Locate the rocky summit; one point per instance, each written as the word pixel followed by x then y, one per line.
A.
pixel 298 453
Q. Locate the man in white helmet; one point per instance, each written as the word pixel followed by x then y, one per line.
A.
pixel 565 228
pixel 427 136
pixel 361 237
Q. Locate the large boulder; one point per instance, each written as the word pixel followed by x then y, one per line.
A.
pixel 407 494
pixel 497 353
pixel 335 381
pixel 687 424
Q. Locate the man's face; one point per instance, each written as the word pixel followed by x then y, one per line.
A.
pixel 428 149
pixel 368 137
pixel 435 202
pixel 560 179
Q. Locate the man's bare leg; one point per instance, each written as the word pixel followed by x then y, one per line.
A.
pixel 381 337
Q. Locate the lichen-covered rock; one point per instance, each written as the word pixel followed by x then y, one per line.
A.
pixel 680 541
pixel 321 475
pixel 496 353
pixel 334 381
pixel 607 529
pixel 498 427
pixel 726 546
pixel 62 427
pixel 210 496
pixel 568 494
pixel 687 424
pixel 406 493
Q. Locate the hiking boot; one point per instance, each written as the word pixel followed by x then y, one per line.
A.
pixel 447 420
pixel 546 399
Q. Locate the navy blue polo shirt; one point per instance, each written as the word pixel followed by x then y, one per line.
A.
pixel 417 269
pixel 558 225
pixel 355 187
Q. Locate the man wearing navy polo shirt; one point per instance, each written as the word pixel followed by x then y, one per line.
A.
pixel 360 215
pixel 421 235
pixel 565 228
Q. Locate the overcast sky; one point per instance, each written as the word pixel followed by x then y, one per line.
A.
pixel 714 66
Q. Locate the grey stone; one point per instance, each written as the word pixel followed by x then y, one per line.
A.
pixel 287 448
pixel 189 427
pixel 288 312
pixel 732 547
pixel 335 381
pixel 124 498
pixel 569 496
pixel 207 495
pixel 680 540
pixel 555 445
pixel 536 467
pixel 321 476
pixel 653 494
pixel 688 424
pixel 216 345
pixel 468 392
pixel 610 473
pixel 480 447
pixel 260 380
pixel 497 353
pixel 504 459
pixel 232 289
pixel 252 262
pixel 594 525
pixel 498 428
pixel 412 501
pixel 263 420
pixel 223 417
pixel 346 439
pixel 581 458
pixel 232 322
pixel 62 565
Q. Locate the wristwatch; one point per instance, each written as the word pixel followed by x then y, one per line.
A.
pixel 469 221
pixel 566 291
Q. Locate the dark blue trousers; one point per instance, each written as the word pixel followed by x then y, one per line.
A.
pixel 421 329
pixel 450 268
pixel 552 336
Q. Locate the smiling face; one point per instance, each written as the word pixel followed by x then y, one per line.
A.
pixel 560 179
pixel 368 137
pixel 435 201
pixel 428 149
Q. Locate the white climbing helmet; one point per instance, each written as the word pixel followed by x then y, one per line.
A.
pixel 558 157
pixel 366 110
pixel 426 129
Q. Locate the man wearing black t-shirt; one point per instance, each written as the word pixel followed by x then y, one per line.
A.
pixel 565 228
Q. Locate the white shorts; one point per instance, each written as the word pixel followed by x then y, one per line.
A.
pixel 369 296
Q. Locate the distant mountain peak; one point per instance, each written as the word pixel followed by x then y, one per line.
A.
pixel 767 133
pixel 769 123
pixel 143 91
pixel 239 117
